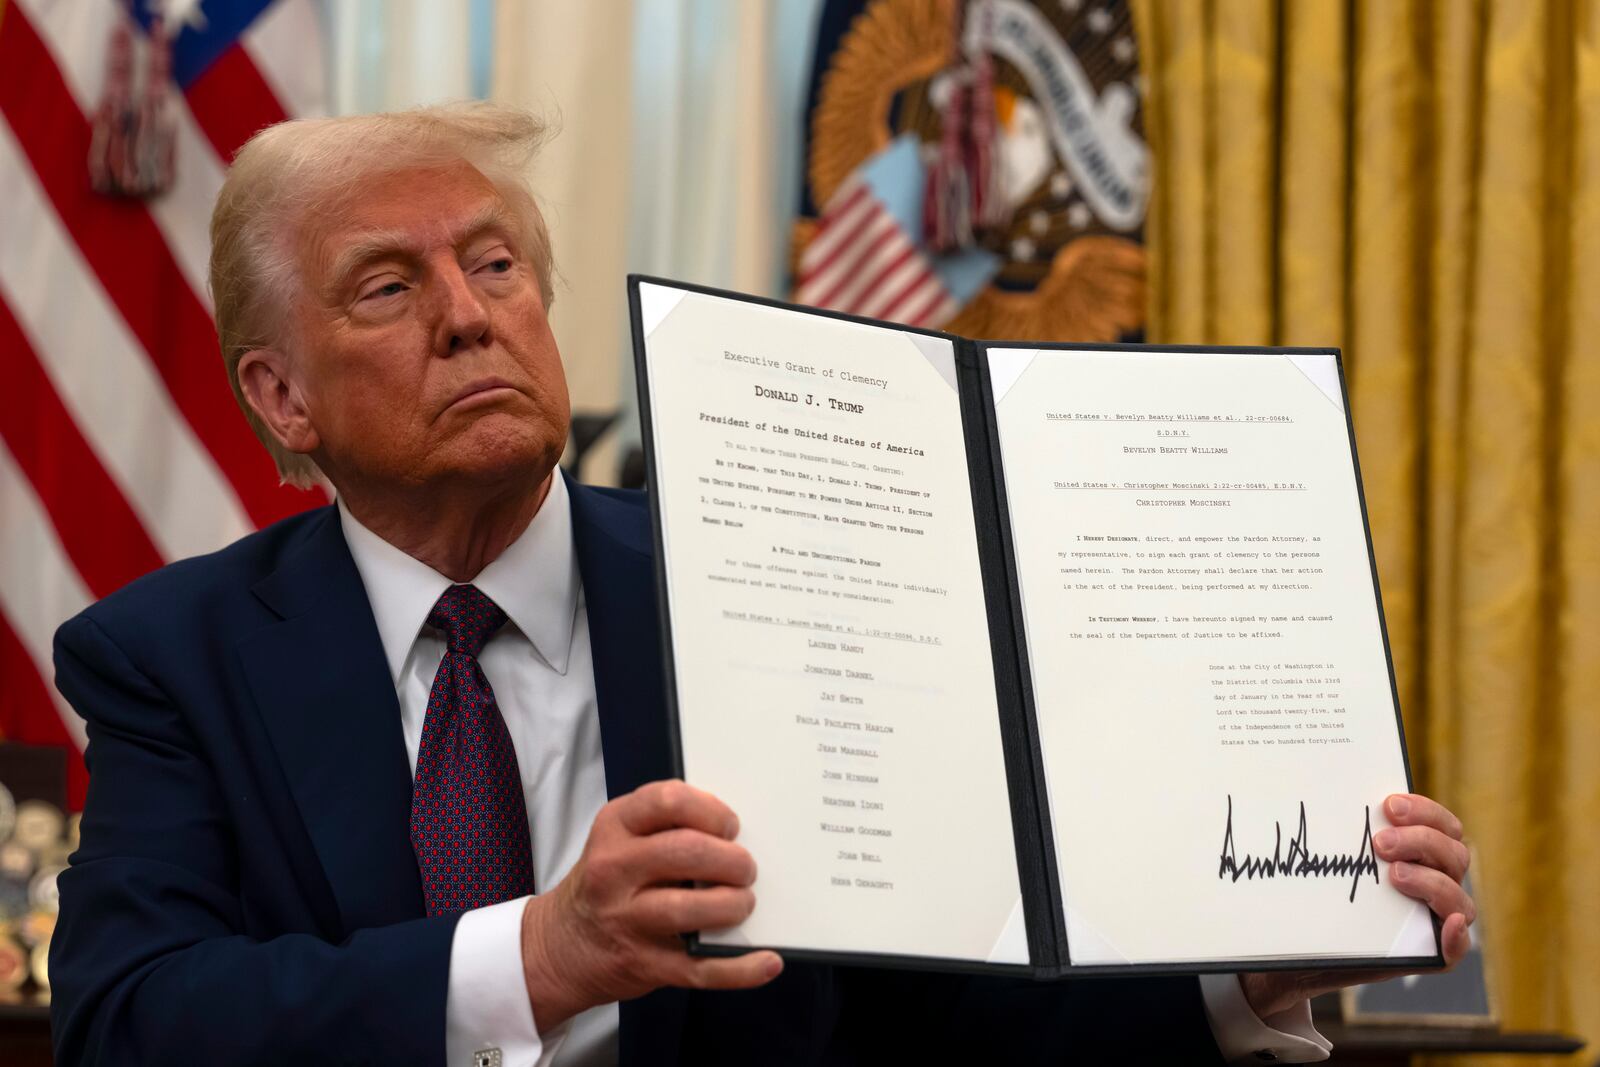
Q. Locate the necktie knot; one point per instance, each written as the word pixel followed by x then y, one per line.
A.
pixel 467 618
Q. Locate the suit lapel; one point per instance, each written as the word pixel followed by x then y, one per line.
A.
pixel 615 560
pixel 612 537
pixel 323 689
pixel 322 686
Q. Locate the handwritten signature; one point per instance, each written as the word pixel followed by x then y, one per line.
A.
pixel 1301 862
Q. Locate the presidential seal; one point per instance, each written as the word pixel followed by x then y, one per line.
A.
pixel 1042 101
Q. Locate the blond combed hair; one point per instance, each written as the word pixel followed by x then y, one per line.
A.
pixel 286 172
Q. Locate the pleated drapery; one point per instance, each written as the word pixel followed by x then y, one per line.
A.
pixel 1418 183
pixel 678 155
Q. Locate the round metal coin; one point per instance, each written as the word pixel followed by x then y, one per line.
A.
pixel 16 862
pixel 42 891
pixel 41 964
pixel 13 964
pixel 8 813
pixel 39 824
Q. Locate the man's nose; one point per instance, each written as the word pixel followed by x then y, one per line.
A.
pixel 463 314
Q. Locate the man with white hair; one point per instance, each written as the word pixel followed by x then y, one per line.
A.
pixel 386 782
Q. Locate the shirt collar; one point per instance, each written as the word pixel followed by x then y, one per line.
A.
pixel 535 582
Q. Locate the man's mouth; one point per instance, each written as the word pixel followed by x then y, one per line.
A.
pixel 483 390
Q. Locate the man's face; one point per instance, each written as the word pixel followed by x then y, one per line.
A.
pixel 422 350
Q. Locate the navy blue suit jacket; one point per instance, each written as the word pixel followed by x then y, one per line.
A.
pixel 246 890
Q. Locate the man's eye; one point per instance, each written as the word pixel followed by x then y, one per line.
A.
pixel 499 266
pixel 392 289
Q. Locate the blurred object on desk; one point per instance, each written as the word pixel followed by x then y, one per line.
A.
pixel 35 840
pixel 1463 996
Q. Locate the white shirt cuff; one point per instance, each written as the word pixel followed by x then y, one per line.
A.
pixel 487 1005
pixel 1287 1037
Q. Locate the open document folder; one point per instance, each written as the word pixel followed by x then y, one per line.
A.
pixel 1030 657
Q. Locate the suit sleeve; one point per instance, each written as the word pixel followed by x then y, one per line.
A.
pixel 149 963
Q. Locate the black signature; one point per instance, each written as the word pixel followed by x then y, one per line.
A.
pixel 1301 862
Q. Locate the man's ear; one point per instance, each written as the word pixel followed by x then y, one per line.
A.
pixel 277 400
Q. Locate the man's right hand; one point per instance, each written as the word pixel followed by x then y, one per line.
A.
pixel 610 930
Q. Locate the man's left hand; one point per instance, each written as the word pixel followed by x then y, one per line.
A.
pixel 1427 861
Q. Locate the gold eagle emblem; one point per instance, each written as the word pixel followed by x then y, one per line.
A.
pixel 1072 267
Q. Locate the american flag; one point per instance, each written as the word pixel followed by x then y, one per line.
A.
pixel 120 445
pixel 867 256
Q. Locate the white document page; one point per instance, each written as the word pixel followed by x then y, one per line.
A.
pixel 833 668
pixel 1214 704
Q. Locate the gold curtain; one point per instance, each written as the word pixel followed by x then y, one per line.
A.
pixel 1419 183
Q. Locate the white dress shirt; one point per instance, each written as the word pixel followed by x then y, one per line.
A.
pixel 542 674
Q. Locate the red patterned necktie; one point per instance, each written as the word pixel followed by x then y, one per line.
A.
pixel 469 824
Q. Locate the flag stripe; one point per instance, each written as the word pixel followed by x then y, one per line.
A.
pixel 893 304
pixel 38 587
pixel 76 31
pixel 846 273
pixel 114 394
pixel 839 239
pixel 77 36
pixel 916 312
pixel 863 262
pixel 184 214
pixel 889 269
pixel 892 286
pixel 120 443
pixel 846 269
pixel 97 528
pixel 232 102
pixel 836 269
pixel 28 708
pixel 941 311
pixel 284 42
pixel 203 32
pixel 834 223
pixel 135 267
pixel 892 248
